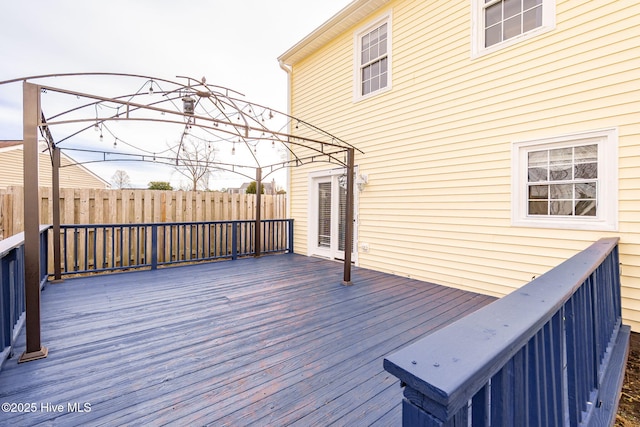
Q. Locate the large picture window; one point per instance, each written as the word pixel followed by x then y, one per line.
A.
pixel 566 182
pixel 499 23
pixel 372 62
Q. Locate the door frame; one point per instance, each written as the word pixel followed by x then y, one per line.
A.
pixel 312 215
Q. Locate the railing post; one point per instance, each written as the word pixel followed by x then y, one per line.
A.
pixel 234 239
pixel 76 232
pixel 414 415
pixel 154 247
pixel 258 222
pixel 44 257
pixel 290 236
pixel 5 299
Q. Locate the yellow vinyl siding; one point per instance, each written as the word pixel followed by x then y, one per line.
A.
pixel 438 145
pixel 10 167
pixel 71 175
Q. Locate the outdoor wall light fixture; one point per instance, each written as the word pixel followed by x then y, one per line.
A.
pixel 361 181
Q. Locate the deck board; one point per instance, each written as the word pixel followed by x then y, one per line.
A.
pixel 276 340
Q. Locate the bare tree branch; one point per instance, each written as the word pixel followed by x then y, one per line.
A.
pixel 120 179
pixel 194 161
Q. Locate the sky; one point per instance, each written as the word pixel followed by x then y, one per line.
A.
pixel 233 44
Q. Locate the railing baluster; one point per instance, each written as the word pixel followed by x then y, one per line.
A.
pixel 121 229
pixel 65 256
pixel 182 243
pixel 95 247
pixel 103 265
pixel 479 406
pixel 172 257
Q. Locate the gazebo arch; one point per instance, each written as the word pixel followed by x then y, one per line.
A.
pixel 217 112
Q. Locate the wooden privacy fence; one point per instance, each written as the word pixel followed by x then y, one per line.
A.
pixel 101 206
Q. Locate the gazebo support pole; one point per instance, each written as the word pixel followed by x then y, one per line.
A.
pixel 348 226
pixel 258 234
pixel 31 116
pixel 57 268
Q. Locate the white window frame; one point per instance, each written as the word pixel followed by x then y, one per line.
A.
pixel 606 218
pixel 477 28
pixel 357 47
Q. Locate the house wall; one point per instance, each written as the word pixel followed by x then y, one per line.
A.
pixel 71 175
pixel 438 145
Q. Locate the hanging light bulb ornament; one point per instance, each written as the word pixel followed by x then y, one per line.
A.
pixel 188 104
pixel 151 88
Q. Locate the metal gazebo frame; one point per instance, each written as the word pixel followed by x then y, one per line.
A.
pixel 211 109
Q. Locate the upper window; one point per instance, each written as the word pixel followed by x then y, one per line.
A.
pixel 372 66
pixel 499 23
pixel 567 182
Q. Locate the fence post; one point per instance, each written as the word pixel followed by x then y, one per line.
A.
pixel 154 247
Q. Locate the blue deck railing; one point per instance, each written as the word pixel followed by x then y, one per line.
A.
pixel 12 301
pixel 111 247
pixel 552 353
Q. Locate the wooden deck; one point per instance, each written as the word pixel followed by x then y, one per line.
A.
pixel 271 341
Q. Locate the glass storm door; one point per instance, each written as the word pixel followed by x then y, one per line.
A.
pixel 330 196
